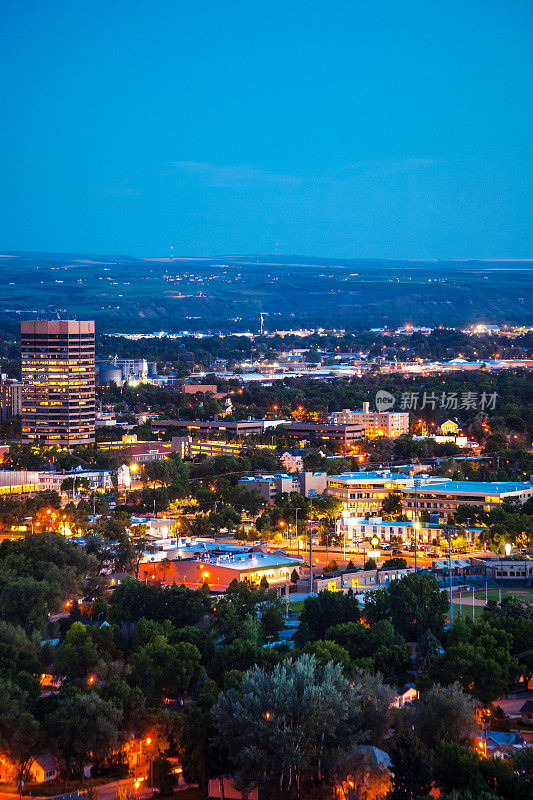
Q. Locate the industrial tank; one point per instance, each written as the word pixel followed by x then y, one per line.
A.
pixel 107 373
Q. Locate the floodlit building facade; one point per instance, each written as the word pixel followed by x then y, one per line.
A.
pixel 445 497
pixel 375 423
pixel 309 484
pixel 58 405
pixel 362 493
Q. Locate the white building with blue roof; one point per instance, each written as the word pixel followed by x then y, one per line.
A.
pixel 447 496
pixel 362 493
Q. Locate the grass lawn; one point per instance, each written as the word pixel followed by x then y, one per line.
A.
pixel 297 606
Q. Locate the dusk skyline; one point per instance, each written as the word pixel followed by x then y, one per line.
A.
pixel 335 131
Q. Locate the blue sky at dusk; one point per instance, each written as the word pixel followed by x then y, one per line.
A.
pixel 344 129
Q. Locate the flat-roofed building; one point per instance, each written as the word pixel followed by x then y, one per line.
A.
pixel 375 423
pixel 58 406
pixel 195 562
pixel 506 570
pixel 385 529
pixel 95 478
pixel 270 486
pixel 10 399
pixel 139 452
pixel 446 497
pixel 362 493
pixel 186 447
pixel 233 428
pixel 324 431
pixel 18 482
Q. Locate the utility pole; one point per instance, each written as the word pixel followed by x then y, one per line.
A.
pixel 416 484
pixel 312 494
pixel 450 571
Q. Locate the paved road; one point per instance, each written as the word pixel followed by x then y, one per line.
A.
pixel 105 791
pixel 321 556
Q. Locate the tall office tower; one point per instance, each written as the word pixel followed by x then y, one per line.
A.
pixel 58 405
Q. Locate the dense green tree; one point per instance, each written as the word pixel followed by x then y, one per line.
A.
pixel 414 605
pixel 129 700
pixel 445 714
pixel 281 728
pixel 201 758
pixel 391 506
pixel 83 726
pixel 479 657
pixel 160 668
pixel 458 768
pixel 412 766
pixel 164 779
pixel 394 563
pixel 248 611
pixel 77 655
pixel 378 647
pixel 324 610
pixel 134 599
pixel 326 650
pixel 21 735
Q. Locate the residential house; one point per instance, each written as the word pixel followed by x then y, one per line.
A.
pixel 43 768
pixel 405 695
pixel 526 712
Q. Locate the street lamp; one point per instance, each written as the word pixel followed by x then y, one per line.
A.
pixel 345 515
pixel 311 495
pixel 416 527
pixel 449 537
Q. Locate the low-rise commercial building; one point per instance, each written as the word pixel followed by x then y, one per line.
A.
pixel 359 581
pixel 138 452
pixel 96 479
pixel 195 562
pixel 344 435
pixel 447 496
pixel 234 428
pixel 385 530
pixel 362 493
pixel 18 482
pixel 186 447
pixel 272 486
pixel 505 571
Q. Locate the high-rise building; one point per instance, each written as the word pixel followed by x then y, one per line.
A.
pixel 10 398
pixel 58 406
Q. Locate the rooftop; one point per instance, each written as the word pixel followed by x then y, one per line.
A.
pixel 476 487
pixel 251 561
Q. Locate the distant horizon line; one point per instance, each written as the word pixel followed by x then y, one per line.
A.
pixel 170 259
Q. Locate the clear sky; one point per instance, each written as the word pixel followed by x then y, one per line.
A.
pixel 342 128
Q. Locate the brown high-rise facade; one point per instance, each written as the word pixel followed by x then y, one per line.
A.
pixel 58 382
